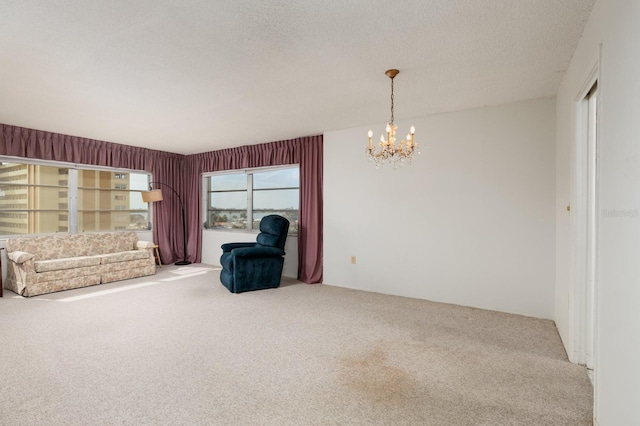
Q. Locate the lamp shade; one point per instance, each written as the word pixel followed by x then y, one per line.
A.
pixel 152 196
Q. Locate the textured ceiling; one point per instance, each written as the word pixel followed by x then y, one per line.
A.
pixel 198 75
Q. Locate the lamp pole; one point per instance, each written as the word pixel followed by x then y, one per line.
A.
pixel 184 261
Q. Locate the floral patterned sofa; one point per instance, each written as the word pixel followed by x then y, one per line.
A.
pixel 46 264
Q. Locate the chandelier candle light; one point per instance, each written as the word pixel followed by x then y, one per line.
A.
pixel 387 152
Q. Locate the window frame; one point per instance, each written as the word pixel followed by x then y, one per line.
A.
pixel 248 172
pixel 73 190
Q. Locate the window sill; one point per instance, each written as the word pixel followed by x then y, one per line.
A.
pixel 242 231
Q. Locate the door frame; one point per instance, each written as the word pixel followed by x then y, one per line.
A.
pixel 584 225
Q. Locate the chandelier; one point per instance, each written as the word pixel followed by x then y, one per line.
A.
pixel 387 152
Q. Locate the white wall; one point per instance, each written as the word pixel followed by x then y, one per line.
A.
pixel 614 25
pixel 212 240
pixel 471 222
pixel 145 235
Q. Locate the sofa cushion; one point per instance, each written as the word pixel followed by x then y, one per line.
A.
pixel 74 245
pixel 66 274
pixel 114 242
pixel 66 263
pixel 124 256
pixel 43 247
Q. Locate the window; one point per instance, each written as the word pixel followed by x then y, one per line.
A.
pixel 101 201
pixel 240 200
pixel 47 197
pixel 32 198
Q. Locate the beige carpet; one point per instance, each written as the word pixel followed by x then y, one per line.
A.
pixel 178 348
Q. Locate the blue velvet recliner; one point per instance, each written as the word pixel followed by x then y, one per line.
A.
pixel 256 266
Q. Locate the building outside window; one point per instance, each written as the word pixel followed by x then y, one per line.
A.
pixel 33 199
pixel 38 198
pixel 99 197
pixel 239 200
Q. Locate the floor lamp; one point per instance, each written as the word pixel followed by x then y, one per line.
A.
pixel 155 195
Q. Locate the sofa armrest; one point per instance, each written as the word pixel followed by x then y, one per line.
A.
pixel 20 271
pixel 232 246
pixel 20 257
pixel 258 252
pixel 142 245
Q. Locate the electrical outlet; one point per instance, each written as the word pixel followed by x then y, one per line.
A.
pixel 353 260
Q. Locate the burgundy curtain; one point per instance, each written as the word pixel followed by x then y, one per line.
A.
pixel 307 152
pixel 21 142
pixel 167 215
pixel 165 167
pixel 311 212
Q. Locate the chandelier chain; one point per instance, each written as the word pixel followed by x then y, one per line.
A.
pixel 392 101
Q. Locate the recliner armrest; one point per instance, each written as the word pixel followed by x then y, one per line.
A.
pixel 232 246
pixel 258 252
